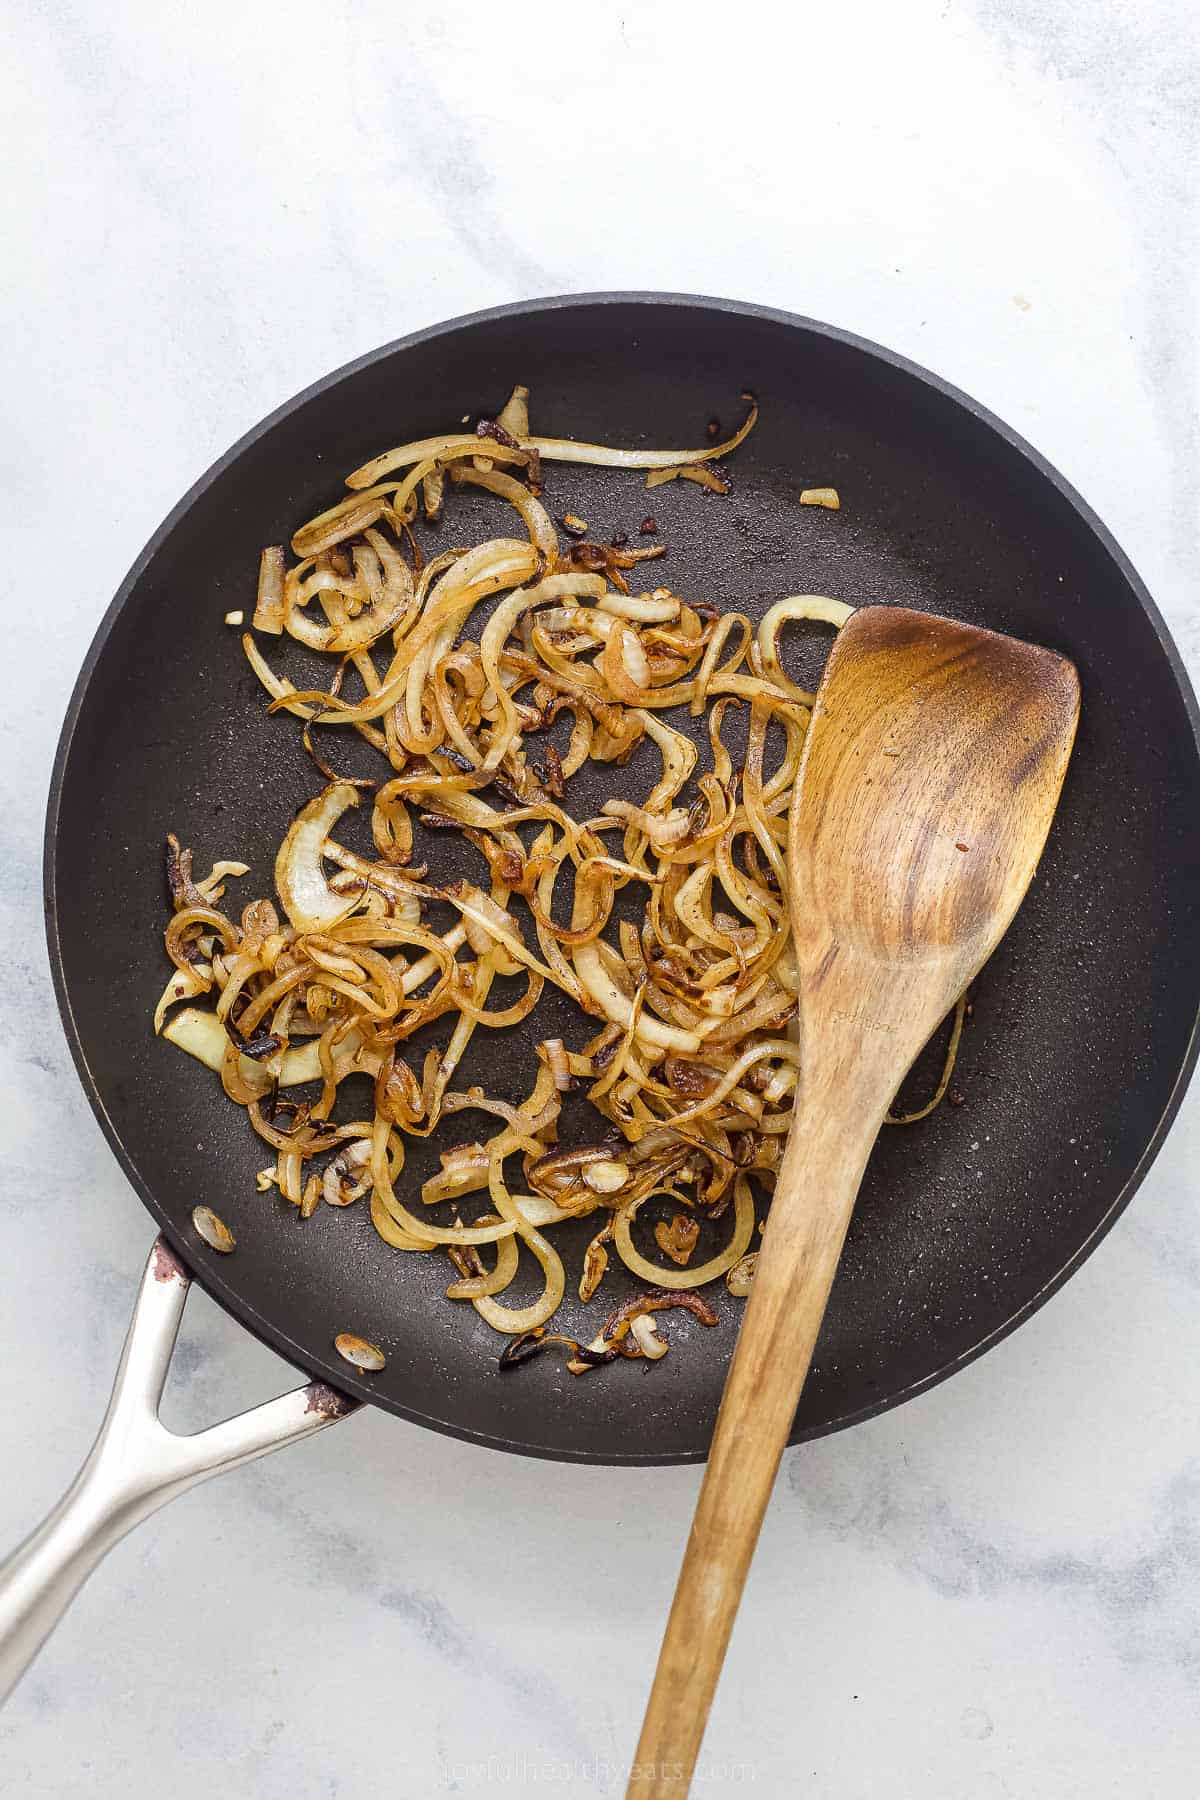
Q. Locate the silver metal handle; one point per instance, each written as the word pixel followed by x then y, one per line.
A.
pixel 135 1466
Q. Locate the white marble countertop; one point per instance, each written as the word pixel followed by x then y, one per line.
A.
pixel 992 1592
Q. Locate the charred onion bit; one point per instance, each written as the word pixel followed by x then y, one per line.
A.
pixel 213 1230
pixel 677 1238
pixel 531 1342
pixel 657 1300
pixel 359 1353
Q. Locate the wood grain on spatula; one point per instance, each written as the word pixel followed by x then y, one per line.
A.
pixel 929 779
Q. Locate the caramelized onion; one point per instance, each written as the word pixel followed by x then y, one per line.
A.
pixel 452 668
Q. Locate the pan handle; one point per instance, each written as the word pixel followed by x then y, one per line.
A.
pixel 135 1466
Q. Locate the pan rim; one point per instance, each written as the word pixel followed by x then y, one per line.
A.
pixel 225 1293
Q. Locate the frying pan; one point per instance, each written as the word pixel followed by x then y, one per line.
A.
pixel 1084 1028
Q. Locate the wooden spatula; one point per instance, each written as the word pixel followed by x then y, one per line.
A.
pixel 930 776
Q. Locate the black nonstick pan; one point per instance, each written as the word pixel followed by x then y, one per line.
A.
pixel 1084 1026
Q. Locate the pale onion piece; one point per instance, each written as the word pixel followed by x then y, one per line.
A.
pixel 508 935
pixel 533 514
pixel 387 611
pixel 270 607
pixel 433 488
pixel 644 1330
pixel 307 898
pixel 780 1083
pixel 397 886
pixel 184 984
pixel 560 1169
pixel 663 829
pixel 289 1164
pixel 488 924
pixel 338 1184
pixel 391 1233
pixel 740 1278
pixel 278 686
pixel 345 520
pixel 464 1170
pixel 203 1036
pixel 491 645
pixel 513 416
pixel 721 1002
pixel 633 657
pixel 556 1062
pixel 515 1320
pixel 659 608
pixel 213 1229
pixel 428 964
pixel 585 624
pixel 211 887
pixel 536 1210
pixel 237 617
pixel 474 1287
pixel 360 1353
pixel 573 586
pixel 424 1235
pixel 795 607
pixel 698 472
pixel 735 1249
pixel 826 496
pixel 619 1008
pixel 623 664
pixel 302 1062
pixel 512 1321
pixel 605 1177
pixel 679 759
pixel 800 606
pixel 552 450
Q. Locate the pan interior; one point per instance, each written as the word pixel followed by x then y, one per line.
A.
pixel 1083 1021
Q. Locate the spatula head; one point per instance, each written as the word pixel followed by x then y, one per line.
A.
pixel 929 779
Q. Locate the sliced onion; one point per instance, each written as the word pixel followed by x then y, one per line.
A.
pixel 307 898
pixel 796 606
pixel 203 1036
pixel 184 984
pixel 213 1229
pixel 645 1330
pixel 553 450
pixel 617 1007
pixel 451 667
pixel 359 1352
pixel 743 1231
pixel 740 1279
pixel 270 607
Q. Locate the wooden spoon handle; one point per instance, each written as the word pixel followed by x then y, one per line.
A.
pixel 814 1198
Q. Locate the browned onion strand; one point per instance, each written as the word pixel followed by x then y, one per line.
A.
pixel 451 667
